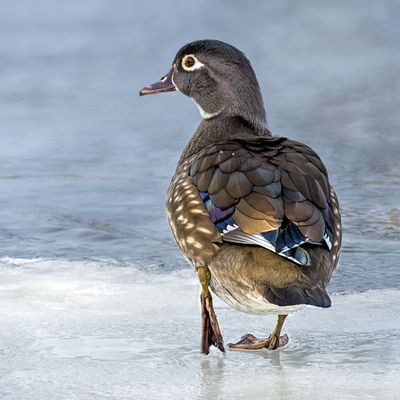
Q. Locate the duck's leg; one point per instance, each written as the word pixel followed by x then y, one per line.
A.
pixel 250 342
pixel 210 332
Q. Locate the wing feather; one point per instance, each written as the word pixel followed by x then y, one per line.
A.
pixel 267 190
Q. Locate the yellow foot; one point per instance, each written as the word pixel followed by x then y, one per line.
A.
pixel 250 342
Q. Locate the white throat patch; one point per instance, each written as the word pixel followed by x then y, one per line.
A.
pixel 205 114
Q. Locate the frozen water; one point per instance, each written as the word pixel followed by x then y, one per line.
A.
pixel 95 300
pixel 96 330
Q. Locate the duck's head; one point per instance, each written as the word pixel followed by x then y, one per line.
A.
pixel 218 77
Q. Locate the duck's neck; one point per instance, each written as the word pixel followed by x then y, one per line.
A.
pixel 222 128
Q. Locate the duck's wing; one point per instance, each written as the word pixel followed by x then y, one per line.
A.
pixel 271 192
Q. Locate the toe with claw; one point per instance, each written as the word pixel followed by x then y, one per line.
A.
pixel 273 342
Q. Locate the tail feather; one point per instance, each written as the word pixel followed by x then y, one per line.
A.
pixel 293 295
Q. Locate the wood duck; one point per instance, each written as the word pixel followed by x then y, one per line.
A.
pixel 254 214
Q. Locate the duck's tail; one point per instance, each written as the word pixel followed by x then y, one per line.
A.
pixel 293 295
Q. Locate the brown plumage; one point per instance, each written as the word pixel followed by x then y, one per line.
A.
pixel 290 186
pixel 254 213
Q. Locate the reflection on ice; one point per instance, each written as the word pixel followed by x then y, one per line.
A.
pixel 106 331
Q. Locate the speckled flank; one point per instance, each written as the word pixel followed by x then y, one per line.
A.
pixel 337 227
pixel 190 223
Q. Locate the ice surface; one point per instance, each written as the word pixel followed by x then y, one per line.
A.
pixel 97 330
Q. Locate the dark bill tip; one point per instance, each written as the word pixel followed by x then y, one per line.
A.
pixel 165 84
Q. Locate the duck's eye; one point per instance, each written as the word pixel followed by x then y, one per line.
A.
pixel 190 63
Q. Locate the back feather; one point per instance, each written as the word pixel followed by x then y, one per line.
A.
pixel 271 192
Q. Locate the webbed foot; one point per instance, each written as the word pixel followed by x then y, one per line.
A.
pixel 274 341
pixel 250 342
pixel 211 332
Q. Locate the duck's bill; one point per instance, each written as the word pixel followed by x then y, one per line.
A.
pixel 165 84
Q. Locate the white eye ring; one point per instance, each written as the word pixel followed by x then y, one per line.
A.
pixel 191 63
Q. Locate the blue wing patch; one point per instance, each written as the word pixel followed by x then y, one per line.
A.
pixel 288 238
pixel 220 217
